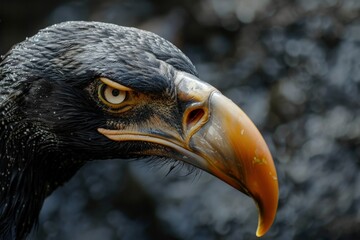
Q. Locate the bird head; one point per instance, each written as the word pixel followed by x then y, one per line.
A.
pixel 101 91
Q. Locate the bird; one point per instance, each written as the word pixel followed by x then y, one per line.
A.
pixel 80 91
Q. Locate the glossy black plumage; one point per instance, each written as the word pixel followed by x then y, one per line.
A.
pixel 48 117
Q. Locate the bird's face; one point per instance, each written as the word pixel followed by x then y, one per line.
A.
pixel 126 93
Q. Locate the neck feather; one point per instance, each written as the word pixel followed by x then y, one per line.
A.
pixel 31 167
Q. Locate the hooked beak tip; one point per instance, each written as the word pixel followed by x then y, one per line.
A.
pixel 248 158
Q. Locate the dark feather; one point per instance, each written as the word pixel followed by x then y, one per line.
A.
pixel 48 119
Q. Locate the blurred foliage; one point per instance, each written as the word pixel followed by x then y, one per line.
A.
pixel 293 66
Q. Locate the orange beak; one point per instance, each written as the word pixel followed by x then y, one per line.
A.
pixel 240 157
pixel 219 138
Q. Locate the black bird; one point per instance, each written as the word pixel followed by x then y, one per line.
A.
pixel 80 91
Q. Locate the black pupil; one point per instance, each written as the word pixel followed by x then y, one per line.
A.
pixel 115 92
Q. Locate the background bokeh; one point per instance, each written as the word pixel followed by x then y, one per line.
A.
pixel 293 66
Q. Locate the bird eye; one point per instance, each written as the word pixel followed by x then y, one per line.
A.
pixel 111 96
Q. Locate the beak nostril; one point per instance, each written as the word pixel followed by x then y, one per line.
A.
pixel 194 116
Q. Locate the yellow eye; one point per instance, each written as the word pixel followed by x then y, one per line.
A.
pixel 111 96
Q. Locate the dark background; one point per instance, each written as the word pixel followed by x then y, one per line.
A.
pixel 293 66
